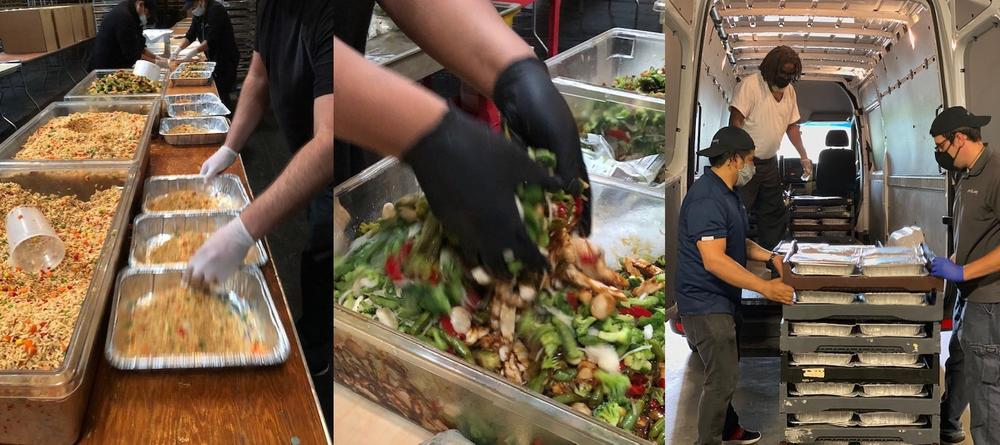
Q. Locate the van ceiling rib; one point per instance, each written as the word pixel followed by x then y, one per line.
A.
pixel 839 39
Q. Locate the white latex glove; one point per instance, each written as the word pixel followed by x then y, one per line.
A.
pixel 220 256
pixel 807 167
pixel 219 161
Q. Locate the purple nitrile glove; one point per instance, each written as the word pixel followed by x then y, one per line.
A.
pixel 942 267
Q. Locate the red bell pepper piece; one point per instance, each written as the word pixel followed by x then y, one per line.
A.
pixel 637 312
pixel 572 299
pixel 447 327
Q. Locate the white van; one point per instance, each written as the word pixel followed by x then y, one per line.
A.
pixel 878 69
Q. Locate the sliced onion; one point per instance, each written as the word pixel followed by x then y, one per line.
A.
pixel 479 274
pixel 605 357
pixel 647 332
pixel 388 210
pixel 507 318
pixel 386 317
pixel 461 320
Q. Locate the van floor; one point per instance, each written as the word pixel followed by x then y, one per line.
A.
pixel 756 398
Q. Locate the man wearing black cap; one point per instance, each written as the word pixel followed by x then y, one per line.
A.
pixel 120 42
pixel 711 272
pixel 212 28
pixel 976 272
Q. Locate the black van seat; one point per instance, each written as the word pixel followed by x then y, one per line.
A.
pixel 836 170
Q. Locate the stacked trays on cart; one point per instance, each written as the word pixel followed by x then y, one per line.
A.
pixel 821 217
pixel 860 347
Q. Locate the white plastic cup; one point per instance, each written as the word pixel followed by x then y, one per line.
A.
pixel 147 69
pixel 32 243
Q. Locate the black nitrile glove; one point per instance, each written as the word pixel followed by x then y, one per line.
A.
pixel 535 111
pixel 470 176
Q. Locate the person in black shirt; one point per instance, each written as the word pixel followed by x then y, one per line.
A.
pixel 292 71
pixel 211 27
pixel 120 42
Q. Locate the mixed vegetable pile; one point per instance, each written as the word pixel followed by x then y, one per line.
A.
pixel 651 82
pixel 579 332
pixel 634 132
pixel 123 82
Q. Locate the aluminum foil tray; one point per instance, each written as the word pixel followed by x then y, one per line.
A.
pixel 826 417
pixel 887 359
pixel 824 389
pixel 895 298
pixel 151 231
pixel 888 418
pixel 822 329
pixel 202 109
pixel 79 92
pixel 821 359
pixel 891 390
pixel 225 186
pixel 202 66
pixel 822 297
pixel 203 78
pixel 246 294
pixel 216 129
pixel 891 330
pixel 844 270
pixel 914 270
pixel 182 99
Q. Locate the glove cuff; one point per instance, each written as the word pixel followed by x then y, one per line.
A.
pixel 428 147
pixel 229 152
pixel 514 73
pixel 240 231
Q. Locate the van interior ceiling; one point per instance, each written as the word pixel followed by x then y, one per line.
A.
pixel 860 59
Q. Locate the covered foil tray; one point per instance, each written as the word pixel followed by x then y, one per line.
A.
pixel 895 298
pixel 844 270
pixel 887 359
pixel 13 144
pixel 151 231
pixel 891 390
pixel 246 294
pixel 915 270
pixel 202 78
pixel 79 92
pixel 888 418
pixel 215 130
pixel 824 297
pixel 891 330
pixel 825 389
pixel 226 187
pixel 182 99
pixel 439 391
pixel 828 417
pixel 822 329
pixel 821 359
pixel 47 407
pixel 201 109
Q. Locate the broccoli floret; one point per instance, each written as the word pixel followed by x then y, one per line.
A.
pixel 610 412
pixel 634 281
pixel 549 339
pixel 614 385
pixel 550 363
pixel 625 335
pixel 582 324
pixel 640 361
pixel 583 388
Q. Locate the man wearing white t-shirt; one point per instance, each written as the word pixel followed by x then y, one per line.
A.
pixel 765 106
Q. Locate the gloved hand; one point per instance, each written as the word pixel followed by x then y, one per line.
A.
pixel 220 256
pixel 535 111
pixel 942 267
pixel 470 176
pixel 807 167
pixel 219 161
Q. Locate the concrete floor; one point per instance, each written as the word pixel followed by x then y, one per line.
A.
pixel 756 398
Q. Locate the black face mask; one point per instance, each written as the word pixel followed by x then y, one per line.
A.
pixel 782 82
pixel 946 161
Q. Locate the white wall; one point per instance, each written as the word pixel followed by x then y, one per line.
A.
pixel 715 89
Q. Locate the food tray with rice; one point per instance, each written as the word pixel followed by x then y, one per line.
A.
pixel 46 366
pixel 158 323
pixel 200 109
pixel 928 342
pixel 171 240
pixel 439 390
pixel 195 66
pixel 190 78
pixel 187 99
pixel 813 397
pixel 84 131
pixel 115 85
pixel 854 283
pixel 190 194
pixel 194 130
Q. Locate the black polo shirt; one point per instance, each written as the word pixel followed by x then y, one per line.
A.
pixel 977 211
pixel 215 28
pixel 710 211
pixel 119 42
pixel 295 42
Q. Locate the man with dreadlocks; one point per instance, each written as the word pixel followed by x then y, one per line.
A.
pixel 765 106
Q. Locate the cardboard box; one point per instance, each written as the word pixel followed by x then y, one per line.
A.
pixel 79 24
pixel 88 16
pixel 63 17
pixel 28 31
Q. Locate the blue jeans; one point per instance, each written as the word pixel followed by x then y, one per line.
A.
pixel 955 399
pixel 980 338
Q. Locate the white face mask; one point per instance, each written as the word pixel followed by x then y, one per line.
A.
pixel 198 12
pixel 142 21
pixel 746 173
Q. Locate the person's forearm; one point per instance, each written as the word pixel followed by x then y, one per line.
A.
pixel 306 174
pixel 148 55
pixel 757 253
pixel 379 109
pixel 736 118
pixel 184 44
pixel 989 264
pixel 202 47
pixel 466 36
pixel 250 108
pixel 728 270
pixel 795 137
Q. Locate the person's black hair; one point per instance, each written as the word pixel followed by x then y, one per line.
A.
pixel 973 134
pixel 775 60
pixel 720 160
